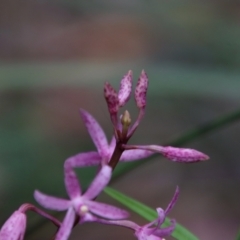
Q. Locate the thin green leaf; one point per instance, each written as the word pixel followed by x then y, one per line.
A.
pixel 148 213
pixel 238 235
pixel 208 127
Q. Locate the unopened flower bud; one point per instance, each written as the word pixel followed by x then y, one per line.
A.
pixel 141 90
pixel 111 97
pixel 126 119
pixel 14 228
pixel 125 89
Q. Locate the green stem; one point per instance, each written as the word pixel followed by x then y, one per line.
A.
pixel 238 235
pixel 206 128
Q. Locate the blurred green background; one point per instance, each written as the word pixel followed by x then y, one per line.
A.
pixel 55 57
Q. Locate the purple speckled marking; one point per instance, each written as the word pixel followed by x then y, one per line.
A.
pixel 14 228
pixel 141 90
pixel 183 154
pixel 125 89
pixel 111 97
pixel 96 132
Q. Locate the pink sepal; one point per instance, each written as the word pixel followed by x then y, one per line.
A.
pixel 141 90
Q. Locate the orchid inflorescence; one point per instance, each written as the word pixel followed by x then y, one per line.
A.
pixel 81 206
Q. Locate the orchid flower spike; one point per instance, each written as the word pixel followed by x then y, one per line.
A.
pixel 80 204
pixel 104 150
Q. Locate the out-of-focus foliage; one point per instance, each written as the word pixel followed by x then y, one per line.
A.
pixel 55 57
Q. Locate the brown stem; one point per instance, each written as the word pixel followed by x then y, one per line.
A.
pixel 116 155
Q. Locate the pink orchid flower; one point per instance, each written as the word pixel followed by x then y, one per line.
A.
pixel 80 204
pixel 152 230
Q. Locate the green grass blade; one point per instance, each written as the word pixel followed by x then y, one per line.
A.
pixel 207 128
pixel 238 235
pixel 148 213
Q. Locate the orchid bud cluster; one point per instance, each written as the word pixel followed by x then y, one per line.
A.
pixel 82 206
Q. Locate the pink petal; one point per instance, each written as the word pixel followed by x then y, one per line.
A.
pixel 173 201
pixel 186 155
pixel 164 232
pixel 141 90
pixel 14 228
pixel 51 203
pixel 111 97
pixel 97 134
pixel 157 222
pixel 99 182
pixel 106 211
pixel 71 182
pixel 125 89
pixel 135 154
pixel 80 160
pixel 83 160
pixel 66 227
pixel 161 217
pixel 142 234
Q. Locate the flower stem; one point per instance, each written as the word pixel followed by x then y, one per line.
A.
pixel 116 155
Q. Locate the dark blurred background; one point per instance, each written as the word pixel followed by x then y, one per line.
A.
pixel 55 56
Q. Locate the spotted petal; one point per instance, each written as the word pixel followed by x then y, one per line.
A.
pixel 14 227
pixel 97 134
pixel 141 90
pixel 186 155
pixel 125 89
